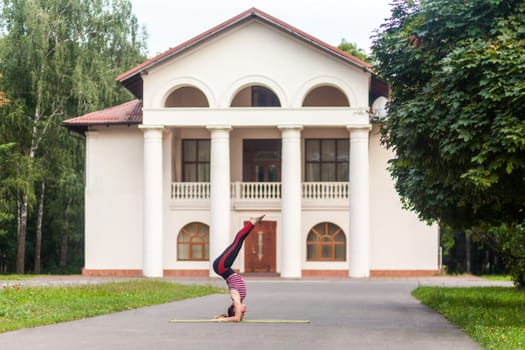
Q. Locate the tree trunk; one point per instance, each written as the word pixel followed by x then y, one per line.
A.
pixel 63 250
pixel 38 239
pixel 468 268
pixel 65 235
pixel 24 207
pixel 21 235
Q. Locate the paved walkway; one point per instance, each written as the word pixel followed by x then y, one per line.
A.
pixel 344 314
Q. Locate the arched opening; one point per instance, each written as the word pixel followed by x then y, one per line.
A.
pixel 326 96
pixel 193 242
pixel 187 96
pixel 326 242
pixel 256 96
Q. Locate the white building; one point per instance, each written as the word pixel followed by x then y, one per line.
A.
pixel 253 116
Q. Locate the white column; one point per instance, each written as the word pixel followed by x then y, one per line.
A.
pixel 220 201
pixel 90 205
pixel 166 186
pixel 153 199
pixel 359 231
pixel 291 244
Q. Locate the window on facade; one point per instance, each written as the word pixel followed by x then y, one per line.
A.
pixel 326 242
pixel 256 96
pixel 326 96
pixel 193 242
pixel 327 160
pixel 187 96
pixel 196 160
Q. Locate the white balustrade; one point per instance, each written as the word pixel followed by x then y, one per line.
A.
pixel 190 190
pixel 260 190
pixel 325 190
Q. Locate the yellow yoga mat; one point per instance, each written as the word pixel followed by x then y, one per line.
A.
pixel 243 321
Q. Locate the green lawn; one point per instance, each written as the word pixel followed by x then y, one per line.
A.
pixel 22 307
pixel 16 277
pixel 492 316
pixel 497 277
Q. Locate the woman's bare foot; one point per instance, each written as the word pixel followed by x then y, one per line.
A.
pixel 257 219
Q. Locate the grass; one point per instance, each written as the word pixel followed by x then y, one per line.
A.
pixel 497 277
pixel 15 277
pixel 492 316
pixel 22 307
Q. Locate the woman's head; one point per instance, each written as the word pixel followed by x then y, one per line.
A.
pixel 231 310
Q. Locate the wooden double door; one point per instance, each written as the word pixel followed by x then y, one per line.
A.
pixel 259 248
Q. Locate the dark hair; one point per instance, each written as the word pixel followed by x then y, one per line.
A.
pixel 231 311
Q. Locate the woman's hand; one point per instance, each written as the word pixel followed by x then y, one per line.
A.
pixel 225 319
pixel 255 220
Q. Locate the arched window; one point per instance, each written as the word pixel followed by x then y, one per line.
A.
pixel 256 96
pixel 326 96
pixel 326 242
pixel 187 96
pixel 193 242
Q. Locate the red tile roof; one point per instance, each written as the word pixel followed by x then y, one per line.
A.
pixel 128 79
pixel 127 113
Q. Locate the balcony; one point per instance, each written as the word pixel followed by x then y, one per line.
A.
pixel 260 195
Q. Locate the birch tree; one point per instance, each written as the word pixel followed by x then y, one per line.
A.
pixel 59 59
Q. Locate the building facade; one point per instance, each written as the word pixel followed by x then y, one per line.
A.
pixel 253 116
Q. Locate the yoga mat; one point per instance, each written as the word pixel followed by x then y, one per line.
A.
pixel 243 321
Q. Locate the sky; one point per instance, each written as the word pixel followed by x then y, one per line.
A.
pixel 171 22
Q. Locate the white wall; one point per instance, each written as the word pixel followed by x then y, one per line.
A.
pixel 114 192
pixel 249 53
pixel 398 240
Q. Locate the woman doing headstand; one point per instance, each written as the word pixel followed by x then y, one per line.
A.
pixel 222 266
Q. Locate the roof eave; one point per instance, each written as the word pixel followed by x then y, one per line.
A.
pixel 81 128
pixel 251 13
pixel 314 41
pixel 184 46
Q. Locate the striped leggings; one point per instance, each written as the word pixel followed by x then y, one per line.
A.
pixel 222 265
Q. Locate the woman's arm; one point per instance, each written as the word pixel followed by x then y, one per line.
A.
pixel 239 309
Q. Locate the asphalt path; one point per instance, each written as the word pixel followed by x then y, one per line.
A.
pixel 343 314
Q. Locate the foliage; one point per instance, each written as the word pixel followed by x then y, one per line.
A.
pixel 467 251
pixel 510 240
pixel 3 98
pixel 457 110
pixel 456 116
pixel 5 165
pixel 494 317
pixel 58 59
pixel 22 307
pixel 352 49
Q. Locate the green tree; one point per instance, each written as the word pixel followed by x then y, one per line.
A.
pixel 4 149
pixel 58 59
pixel 3 99
pixel 457 112
pixel 352 49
